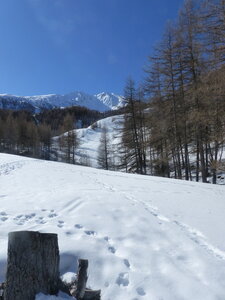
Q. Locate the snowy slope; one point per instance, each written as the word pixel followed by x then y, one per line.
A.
pixel 146 237
pixel 89 139
pixel 101 102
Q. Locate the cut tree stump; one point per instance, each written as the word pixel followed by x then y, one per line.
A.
pixel 33 265
pixel 33 268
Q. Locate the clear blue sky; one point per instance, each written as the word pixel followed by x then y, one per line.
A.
pixel 60 46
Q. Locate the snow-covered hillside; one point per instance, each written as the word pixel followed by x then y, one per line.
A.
pixel 100 102
pixel 89 140
pixel 146 237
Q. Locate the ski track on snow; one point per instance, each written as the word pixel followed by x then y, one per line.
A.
pixel 8 168
pixel 193 234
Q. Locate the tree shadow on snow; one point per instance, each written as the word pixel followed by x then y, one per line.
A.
pixel 3 266
pixel 68 263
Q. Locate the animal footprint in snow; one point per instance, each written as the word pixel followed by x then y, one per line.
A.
pixel 3 216
pixel 21 219
pixel 140 291
pixel 40 220
pixel 30 216
pixel 52 215
pixel 90 232
pixel 60 223
pixel 68 232
pixel 123 279
pixel 18 217
pixel 112 249
pixel 78 226
pixel 154 214
pixel 127 263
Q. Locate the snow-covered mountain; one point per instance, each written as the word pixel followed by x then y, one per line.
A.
pixel 100 102
pixel 146 238
pixel 111 100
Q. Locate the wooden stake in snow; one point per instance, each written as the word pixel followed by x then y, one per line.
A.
pixel 81 278
pixel 79 290
pixel 33 265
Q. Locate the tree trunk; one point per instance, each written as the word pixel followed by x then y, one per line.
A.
pixel 214 176
pixel 197 161
pixel 33 265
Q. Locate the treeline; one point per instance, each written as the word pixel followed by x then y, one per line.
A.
pixel 55 117
pixel 23 133
pixel 181 133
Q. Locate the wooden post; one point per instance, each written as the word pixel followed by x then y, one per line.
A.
pixel 2 287
pixel 92 295
pixel 33 265
pixel 81 292
pixel 81 278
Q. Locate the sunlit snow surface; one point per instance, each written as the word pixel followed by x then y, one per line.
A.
pixel 145 237
pixel 89 138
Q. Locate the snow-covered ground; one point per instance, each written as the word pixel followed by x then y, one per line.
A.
pixel 145 237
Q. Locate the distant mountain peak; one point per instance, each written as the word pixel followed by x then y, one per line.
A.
pixel 100 102
pixel 111 100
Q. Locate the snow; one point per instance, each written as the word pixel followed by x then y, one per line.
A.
pixel 145 237
pixel 89 138
pixel 68 277
pixel 101 102
pixel 61 296
pixel 111 100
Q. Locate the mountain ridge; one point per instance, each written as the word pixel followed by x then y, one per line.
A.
pixel 101 102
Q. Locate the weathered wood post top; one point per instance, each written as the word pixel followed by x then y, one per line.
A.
pixel 32 266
